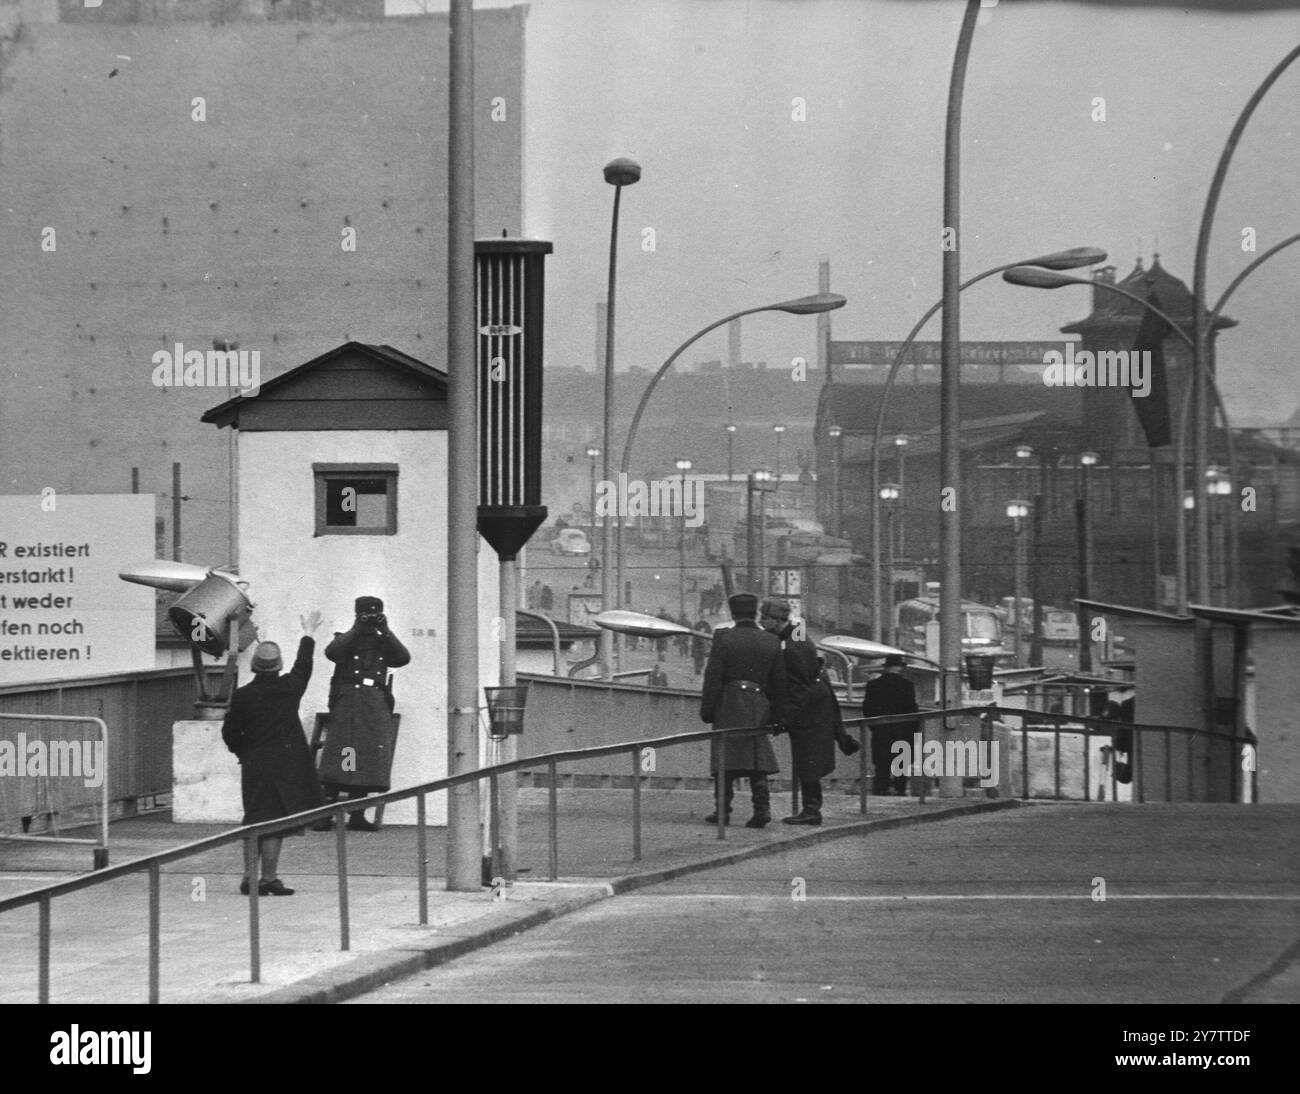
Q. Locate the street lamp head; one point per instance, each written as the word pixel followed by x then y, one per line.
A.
pixel 1017 509
pixel 901 441
pixel 1072 259
pixel 683 465
pixel 730 428
pixel 1089 459
pixel 1023 451
pixel 1033 278
pixel 759 475
pixel 835 432
pixel 891 491
pixel 1189 500
pixel 622 172
pixel 778 429
pixel 593 451
pixel 811 305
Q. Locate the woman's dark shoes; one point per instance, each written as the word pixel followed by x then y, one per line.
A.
pixel 243 887
pixel 274 887
pixel 758 820
pixel 712 818
pixel 358 823
pixel 803 818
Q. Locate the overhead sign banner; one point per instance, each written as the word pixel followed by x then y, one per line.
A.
pixel 930 353
pixel 64 612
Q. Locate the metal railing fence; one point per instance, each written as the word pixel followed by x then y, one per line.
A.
pixel 251 834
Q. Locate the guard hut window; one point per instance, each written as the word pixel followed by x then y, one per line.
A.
pixel 356 499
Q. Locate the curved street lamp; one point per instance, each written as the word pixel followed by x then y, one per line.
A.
pixel 1044 279
pixel 803 305
pixel 1201 377
pixel 618 173
pixel 1070 259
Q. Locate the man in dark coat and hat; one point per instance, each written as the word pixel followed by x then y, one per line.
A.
pixel 889 693
pixel 744 687
pixel 262 729
pixel 812 715
pixel 357 755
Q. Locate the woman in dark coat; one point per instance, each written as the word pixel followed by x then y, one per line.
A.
pixel 262 728
pixel 812 712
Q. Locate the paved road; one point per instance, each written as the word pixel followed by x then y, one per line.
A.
pixel 1202 903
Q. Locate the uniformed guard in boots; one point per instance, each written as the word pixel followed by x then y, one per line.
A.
pixel 744 687
pixel 357 755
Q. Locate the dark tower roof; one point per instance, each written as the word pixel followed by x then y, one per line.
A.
pixel 1110 310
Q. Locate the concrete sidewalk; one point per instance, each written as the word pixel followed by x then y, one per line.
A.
pixel 99 950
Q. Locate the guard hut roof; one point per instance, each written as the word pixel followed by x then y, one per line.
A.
pixel 353 386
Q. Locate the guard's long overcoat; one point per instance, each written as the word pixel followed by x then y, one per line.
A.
pixel 744 685
pixel 361 714
pixel 812 712
pixel 262 728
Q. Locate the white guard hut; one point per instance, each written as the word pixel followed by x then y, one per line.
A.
pixel 341 491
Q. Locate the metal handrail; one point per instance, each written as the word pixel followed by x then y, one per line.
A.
pixel 251 834
pixel 100 844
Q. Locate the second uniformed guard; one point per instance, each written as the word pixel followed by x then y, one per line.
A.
pixel 357 755
pixel 744 687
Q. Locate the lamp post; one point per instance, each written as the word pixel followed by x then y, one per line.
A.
pixel 889 494
pixel 759 483
pixel 1217 485
pixel 836 435
pixel 618 173
pixel 1071 259
pixel 592 453
pixel 804 305
pixel 779 430
pixel 900 446
pixel 731 438
pixel 1018 510
pixel 1201 328
pixel 464 839
pixel 1087 461
pixel 682 467
pixel 950 373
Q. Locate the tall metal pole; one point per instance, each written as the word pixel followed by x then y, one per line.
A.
pixel 464 847
pixel 508 788
pixel 1036 586
pixel 888 631
pixel 950 500
pixel 591 513
pixel 176 512
pixel 1085 589
pixel 749 532
pixel 1018 592
pixel 1200 352
pixel 606 451
pixel 902 499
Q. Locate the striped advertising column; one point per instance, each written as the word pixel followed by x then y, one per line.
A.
pixel 509 276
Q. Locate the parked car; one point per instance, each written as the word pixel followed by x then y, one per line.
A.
pixel 571 541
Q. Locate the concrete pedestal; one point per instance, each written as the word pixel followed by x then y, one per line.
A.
pixel 205 776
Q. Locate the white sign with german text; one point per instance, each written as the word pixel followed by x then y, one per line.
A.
pixel 64 612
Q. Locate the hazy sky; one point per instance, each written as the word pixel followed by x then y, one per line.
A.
pixel 744 199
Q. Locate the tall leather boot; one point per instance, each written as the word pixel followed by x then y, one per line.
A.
pixel 762 796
